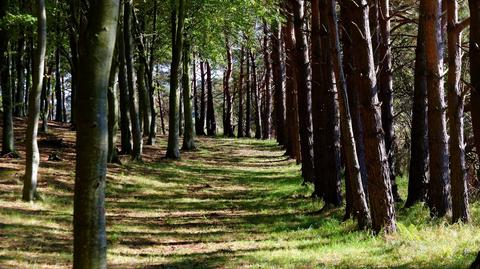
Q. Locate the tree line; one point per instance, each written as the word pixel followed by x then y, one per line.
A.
pixel 338 84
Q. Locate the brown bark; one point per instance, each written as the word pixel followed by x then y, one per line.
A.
pixel 438 187
pixel 379 184
pixel 359 201
pixel 304 97
pixel 417 182
pixel 241 131
pixel 278 83
pixel 267 112
pixel 211 121
pixel 293 139
pixel 458 170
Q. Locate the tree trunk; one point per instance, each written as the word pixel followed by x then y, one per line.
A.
pixel 8 142
pixel 132 91
pixel 267 113
pixel 211 121
pixel 112 96
pixel 241 131
pixel 195 97
pixel 293 140
pixel 203 107
pixel 304 98
pixel 352 78
pixel 278 83
pixel 418 170
pixel 227 127
pixel 58 88
pixel 474 6
pixel 455 115
pixel 180 113
pixel 438 187
pixel 189 136
pixel 144 100
pixel 256 98
pixel 125 129
pixel 96 45
pixel 32 160
pixel 19 109
pixel 74 8
pixel 153 118
pixel 379 184
pixel 248 105
pixel 177 23
pixel 359 200
pixel 385 88
pixel 325 111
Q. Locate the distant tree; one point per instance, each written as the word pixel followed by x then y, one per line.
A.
pixel 32 160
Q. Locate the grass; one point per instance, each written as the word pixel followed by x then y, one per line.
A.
pixel 232 204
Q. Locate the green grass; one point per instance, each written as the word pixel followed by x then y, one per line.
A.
pixel 232 204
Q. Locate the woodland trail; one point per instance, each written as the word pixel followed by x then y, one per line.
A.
pixel 231 204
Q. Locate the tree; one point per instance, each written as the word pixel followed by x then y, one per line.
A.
pixel 240 128
pixel 32 160
pixel 96 47
pixel 177 25
pixel 354 175
pixel 418 168
pixel 188 138
pixel 278 83
pixel 304 99
pixel 458 170
pixel 438 186
pixel 267 111
pixel 8 142
pixel 211 121
pixel 228 128
pixel 474 6
pixel 132 89
pixel 379 184
pixel 292 138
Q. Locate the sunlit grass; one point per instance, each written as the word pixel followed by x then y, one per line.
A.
pixel 231 204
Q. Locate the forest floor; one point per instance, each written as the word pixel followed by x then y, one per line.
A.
pixel 231 204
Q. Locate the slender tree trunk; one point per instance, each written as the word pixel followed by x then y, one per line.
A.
pixel 153 118
pixel 385 88
pixel 19 109
pixel 125 129
pixel 474 6
pixel 379 183
pixel 241 131
pixel 32 160
pixel 112 96
pixel 325 111
pixel 177 23
pixel 58 88
pixel 189 136
pixel 203 106
pixel 278 83
pixel 132 91
pixel 144 101
pixel 97 43
pixel 352 77
pixel 304 98
pixel 438 187
pixel 455 116
pixel 267 113
pixel 195 97
pixel 248 105
pixel 418 170
pixel 211 121
pixel 74 9
pixel 180 114
pixel 256 99
pixel 228 127
pixel 293 139
pixel 359 200
pixel 8 145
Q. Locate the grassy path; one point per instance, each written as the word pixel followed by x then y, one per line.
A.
pixel 232 204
